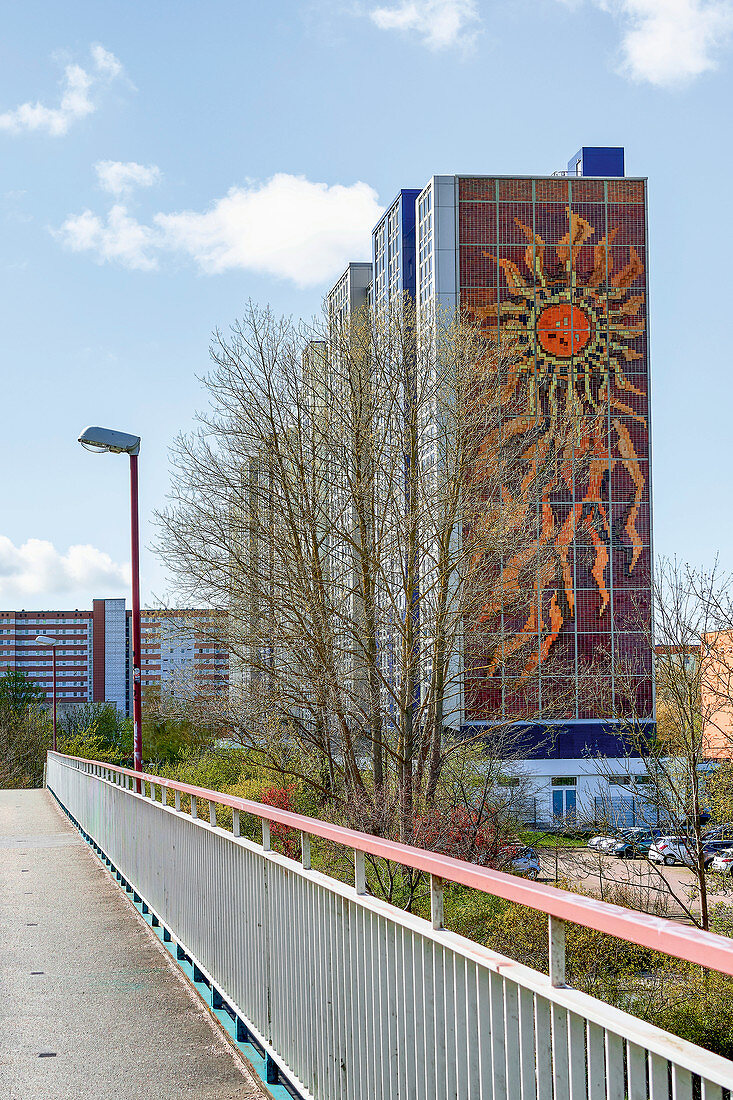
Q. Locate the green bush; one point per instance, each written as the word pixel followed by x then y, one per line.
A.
pixel 217 767
pixel 89 744
pixel 25 738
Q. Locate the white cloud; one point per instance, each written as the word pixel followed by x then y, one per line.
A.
pixel 669 42
pixel 119 237
pixel 439 23
pixel 287 226
pixel 77 100
pixel 121 177
pixel 37 572
pixel 106 63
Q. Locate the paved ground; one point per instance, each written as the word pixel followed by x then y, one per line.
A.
pixel 672 887
pixel 91 1005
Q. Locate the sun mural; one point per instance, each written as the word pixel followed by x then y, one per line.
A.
pixel 571 315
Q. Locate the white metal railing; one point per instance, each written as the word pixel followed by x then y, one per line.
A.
pixel 356 999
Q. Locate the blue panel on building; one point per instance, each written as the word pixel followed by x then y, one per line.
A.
pixel 389 281
pixel 597 160
pixel 409 274
pixel 574 741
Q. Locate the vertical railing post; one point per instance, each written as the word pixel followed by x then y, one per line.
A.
pixel 194 810
pixel 266 837
pixel 236 827
pixel 305 850
pixel 359 872
pixel 177 801
pixel 436 901
pixel 212 812
pixel 557 951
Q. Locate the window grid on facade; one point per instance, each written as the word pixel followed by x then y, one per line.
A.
pixel 425 247
pixel 504 227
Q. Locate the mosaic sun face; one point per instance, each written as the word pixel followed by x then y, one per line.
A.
pixel 575 323
pixel 563 330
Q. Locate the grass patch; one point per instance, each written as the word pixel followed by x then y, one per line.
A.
pixel 535 839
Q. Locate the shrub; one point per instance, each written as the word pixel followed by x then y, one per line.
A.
pixel 25 739
pixel 462 833
pixel 282 798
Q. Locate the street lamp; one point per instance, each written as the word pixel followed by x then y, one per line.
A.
pixel 51 643
pixel 106 440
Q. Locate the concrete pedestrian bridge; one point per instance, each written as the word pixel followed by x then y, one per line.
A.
pixel 91 1004
pixel 148 951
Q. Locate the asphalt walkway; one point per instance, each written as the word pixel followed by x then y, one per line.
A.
pixel 91 1005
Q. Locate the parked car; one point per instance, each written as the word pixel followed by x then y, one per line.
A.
pixel 710 849
pixel 636 844
pixel 668 850
pixel 720 832
pixel 595 842
pixel 521 861
pixel 722 862
pixel 610 842
pixel 605 843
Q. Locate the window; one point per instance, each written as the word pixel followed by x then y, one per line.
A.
pixel 565 781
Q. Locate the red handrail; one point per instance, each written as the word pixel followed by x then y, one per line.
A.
pixel 679 940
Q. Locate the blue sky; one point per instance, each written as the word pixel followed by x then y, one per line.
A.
pixel 162 163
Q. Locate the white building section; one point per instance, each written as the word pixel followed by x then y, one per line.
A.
pixel 116 688
pixel 183 650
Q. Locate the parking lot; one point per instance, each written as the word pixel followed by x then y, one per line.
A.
pixel 665 890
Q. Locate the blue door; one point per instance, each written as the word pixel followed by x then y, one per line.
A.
pixel 563 803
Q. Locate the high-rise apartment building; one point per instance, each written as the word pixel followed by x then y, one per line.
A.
pixel 350 293
pixel 555 269
pixel 94 654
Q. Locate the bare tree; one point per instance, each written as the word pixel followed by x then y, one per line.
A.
pixel 366 506
pixel 693 617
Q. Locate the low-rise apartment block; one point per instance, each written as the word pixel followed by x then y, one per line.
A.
pixel 94 651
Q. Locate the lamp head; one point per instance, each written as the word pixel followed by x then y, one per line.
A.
pixel 44 639
pixel 107 439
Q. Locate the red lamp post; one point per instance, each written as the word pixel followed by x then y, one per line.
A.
pixel 108 440
pixel 137 699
